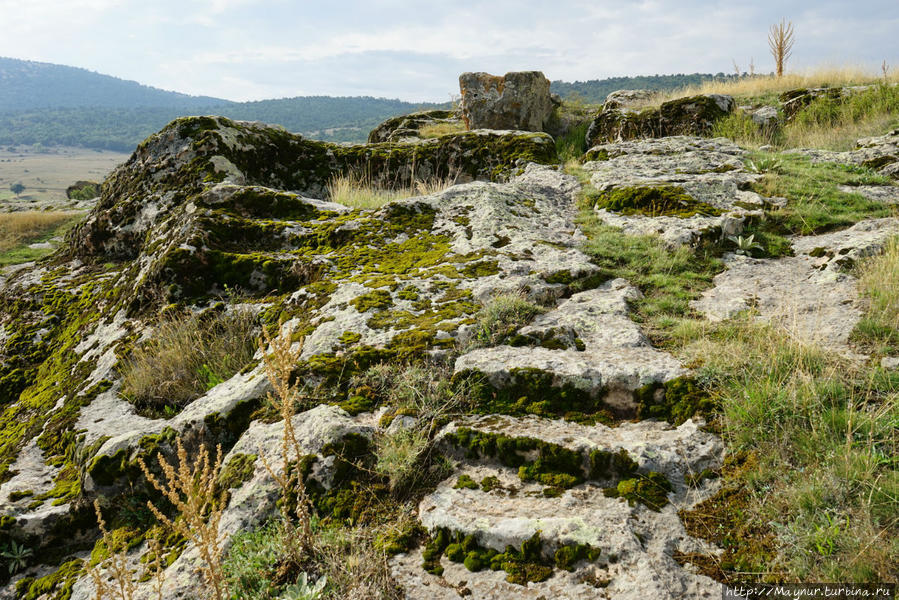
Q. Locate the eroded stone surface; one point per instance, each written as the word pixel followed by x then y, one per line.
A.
pixel 710 171
pixel 517 100
pixel 616 357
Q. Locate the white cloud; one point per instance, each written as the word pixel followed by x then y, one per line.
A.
pixel 261 48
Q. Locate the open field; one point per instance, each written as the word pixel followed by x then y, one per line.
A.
pixel 46 174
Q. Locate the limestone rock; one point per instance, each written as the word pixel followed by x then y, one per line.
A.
pixel 710 172
pixel 808 294
pixel 692 115
pixel 880 153
pixel 629 98
pixel 518 100
pixel 615 356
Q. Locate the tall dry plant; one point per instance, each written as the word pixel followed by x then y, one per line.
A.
pixel 193 490
pixel 279 365
pixel 780 40
pixel 118 582
pixel 115 567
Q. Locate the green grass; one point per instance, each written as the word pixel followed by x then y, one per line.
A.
pixel 824 480
pixel 816 204
pixel 501 317
pixel 572 145
pixel 831 124
pixel 878 331
pixel 669 278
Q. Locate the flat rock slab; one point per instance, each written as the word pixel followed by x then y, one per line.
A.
pixel 888 194
pixel 809 294
pixel 656 446
pixel 708 170
pixel 819 306
pixel 616 355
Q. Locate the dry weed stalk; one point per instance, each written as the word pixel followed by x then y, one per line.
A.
pixel 780 40
pixel 279 365
pixel 116 566
pixel 193 491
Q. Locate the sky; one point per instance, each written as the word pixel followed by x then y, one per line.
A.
pixel 413 50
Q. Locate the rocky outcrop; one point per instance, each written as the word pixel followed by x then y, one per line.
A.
pixel 408 128
pixel 680 188
pixel 629 99
pixel 192 155
pixel 812 294
pixel 517 100
pixel 692 115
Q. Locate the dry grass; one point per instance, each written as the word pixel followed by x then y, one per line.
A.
pixel 361 191
pixel 879 278
pixel 441 129
pixel 770 85
pixel 192 488
pixel 18 228
pixel 187 355
pixel 116 566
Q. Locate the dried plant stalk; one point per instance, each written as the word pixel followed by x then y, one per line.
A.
pixel 192 488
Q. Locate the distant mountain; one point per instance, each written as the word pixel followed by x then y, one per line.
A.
pixel 29 85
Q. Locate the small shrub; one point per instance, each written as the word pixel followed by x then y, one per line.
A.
pixel 501 317
pixel 572 145
pixel 186 356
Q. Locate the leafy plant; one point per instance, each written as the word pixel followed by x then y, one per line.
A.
pixel 17 555
pixel 745 245
pixel 303 590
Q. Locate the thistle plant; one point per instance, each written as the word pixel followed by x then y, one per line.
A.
pixel 17 555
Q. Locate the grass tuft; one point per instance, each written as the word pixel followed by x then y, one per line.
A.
pixel 361 191
pixel 186 356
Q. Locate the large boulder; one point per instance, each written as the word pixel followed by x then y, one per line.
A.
pixel 518 100
pixel 692 115
pixel 629 98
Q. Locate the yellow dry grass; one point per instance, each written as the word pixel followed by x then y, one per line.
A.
pixel 360 191
pixel 765 85
pixel 20 227
pixel 440 129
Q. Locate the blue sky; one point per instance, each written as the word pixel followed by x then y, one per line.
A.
pixel 255 49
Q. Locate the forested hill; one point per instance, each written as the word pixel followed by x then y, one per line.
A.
pixel 595 91
pixel 47 104
pixel 29 85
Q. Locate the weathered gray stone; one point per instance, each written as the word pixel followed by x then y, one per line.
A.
pixel 517 100
pixel 407 128
pixel 710 171
pixel 692 115
pixel 616 356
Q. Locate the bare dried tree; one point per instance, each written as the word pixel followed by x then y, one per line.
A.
pixel 780 40
pixel 751 67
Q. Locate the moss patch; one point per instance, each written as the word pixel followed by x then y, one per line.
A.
pixel 651 201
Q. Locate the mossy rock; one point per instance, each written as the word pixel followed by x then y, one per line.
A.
pixel 652 201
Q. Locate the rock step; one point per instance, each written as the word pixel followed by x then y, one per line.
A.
pixel 648 446
pixel 594 348
pixel 628 547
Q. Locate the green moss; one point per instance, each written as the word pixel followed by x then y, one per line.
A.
pixel 534 391
pixel 237 471
pixel 611 465
pixel 17 495
pixel 650 490
pixel 55 586
pixel 376 300
pixel 527 564
pixel 674 401
pixel 489 483
pixel 465 482
pixel 651 201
